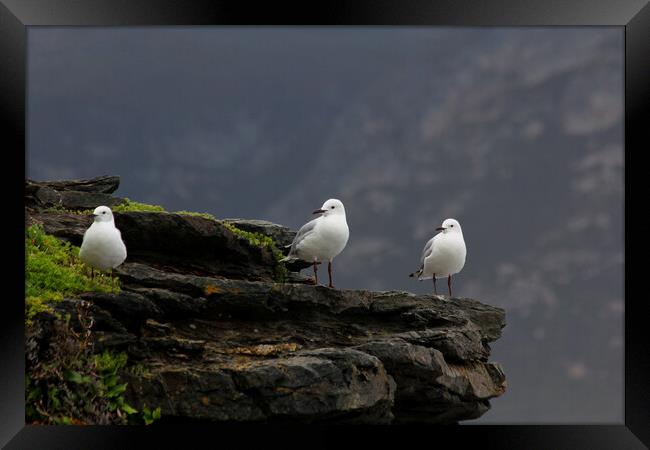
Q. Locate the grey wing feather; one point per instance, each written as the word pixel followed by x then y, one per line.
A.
pixel 303 232
pixel 428 249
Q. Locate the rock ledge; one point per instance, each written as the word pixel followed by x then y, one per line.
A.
pixel 218 339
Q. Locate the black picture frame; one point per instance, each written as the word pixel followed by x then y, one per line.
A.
pixel 17 15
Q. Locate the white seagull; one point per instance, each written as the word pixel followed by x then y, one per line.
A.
pixel 102 247
pixel 322 238
pixel 444 254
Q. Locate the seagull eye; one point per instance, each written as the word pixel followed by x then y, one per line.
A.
pixel 332 207
pixel 452 225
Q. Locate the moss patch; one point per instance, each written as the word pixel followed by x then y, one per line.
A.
pixel 261 240
pixel 254 239
pixel 62 210
pixel 66 383
pixel 53 270
pixel 196 214
pixel 130 205
pixel 127 206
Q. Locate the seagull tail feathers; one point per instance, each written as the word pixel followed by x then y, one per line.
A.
pixel 288 258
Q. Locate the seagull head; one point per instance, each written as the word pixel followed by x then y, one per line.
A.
pixel 103 214
pixel 331 207
pixel 450 226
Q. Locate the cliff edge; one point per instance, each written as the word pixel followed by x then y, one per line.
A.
pixel 222 332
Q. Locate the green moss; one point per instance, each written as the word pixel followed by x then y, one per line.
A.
pixel 197 214
pixel 66 383
pixel 53 270
pixel 281 273
pixel 127 206
pixel 261 240
pixel 62 210
pixel 130 205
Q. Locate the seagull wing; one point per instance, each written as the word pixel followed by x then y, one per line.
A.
pixel 426 252
pixel 428 249
pixel 303 232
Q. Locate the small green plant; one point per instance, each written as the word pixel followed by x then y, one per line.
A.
pixel 149 416
pixel 67 384
pixel 281 273
pixel 53 270
pixel 261 240
pixel 109 387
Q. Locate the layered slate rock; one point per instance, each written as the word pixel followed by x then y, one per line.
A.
pixel 292 351
pixel 283 236
pixel 174 242
pixel 73 194
pixel 216 338
pixel 280 234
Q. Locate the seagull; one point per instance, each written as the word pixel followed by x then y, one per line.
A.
pixel 444 254
pixel 102 247
pixel 322 238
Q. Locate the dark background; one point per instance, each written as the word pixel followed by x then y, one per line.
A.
pixel 515 132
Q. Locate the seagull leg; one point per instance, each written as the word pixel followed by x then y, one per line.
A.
pixel 435 290
pixel 329 271
pixel 315 274
pixel 449 284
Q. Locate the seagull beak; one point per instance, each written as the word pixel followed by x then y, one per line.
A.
pixel 319 211
pixel 440 228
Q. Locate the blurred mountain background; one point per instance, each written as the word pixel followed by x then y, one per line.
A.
pixel 515 132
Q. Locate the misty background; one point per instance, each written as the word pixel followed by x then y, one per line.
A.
pixel 515 132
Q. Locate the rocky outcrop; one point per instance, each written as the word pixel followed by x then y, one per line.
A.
pixel 217 338
pixel 282 235
pixel 174 242
pixel 72 194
